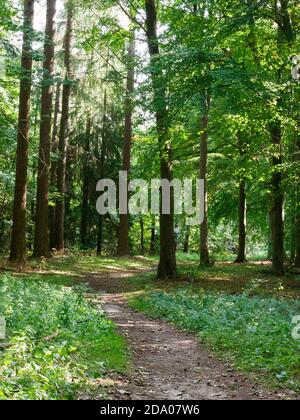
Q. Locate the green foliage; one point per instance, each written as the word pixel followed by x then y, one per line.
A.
pixel 59 344
pixel 255 332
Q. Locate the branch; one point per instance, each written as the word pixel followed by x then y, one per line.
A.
pixel 132 18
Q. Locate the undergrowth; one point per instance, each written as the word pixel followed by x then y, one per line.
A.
pixel 255 332
pixel 59 344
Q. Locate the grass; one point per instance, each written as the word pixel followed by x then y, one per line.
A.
pixel 241 311
pixel 63 347
pixel 256 333
pixel 60 345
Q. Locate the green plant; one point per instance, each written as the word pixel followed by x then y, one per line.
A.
pixel 255 332
pixel 59 343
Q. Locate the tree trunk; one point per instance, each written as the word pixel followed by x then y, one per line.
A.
pixel 277 204
pixel 41 240
pixel 85 190
pixel 18 238
pixel 123 234
pixel 167 265
pixel 153 236
pixel 285 29
pixel 100 235
pixel 102 171
pixel 285 36
pixel 59 237
pixel 186 242
pixel 204 252
pixel 297 236
pixel 252 38
pixel 142 236
pixel 270 242
pixel 53 171
pixel 297 207
pixel 241 258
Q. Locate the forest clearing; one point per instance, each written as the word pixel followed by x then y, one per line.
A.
pixel 149 200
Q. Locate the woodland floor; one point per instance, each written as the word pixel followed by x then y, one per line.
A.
pixel 164 362
pixel 168 364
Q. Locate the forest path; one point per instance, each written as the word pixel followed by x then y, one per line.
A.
pixel 168 364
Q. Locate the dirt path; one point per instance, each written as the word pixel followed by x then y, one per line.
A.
pixel 167 363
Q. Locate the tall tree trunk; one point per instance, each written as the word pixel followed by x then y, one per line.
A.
pixel 297 207
pixel 285 36
pixel 167 264
pixel 252 38
pixel 123 234
pixel 270 242
pixel 18 238
pixel 186 242
pixel 59 238
pixel 285 29
pixel 41 240
pixel 85 190
pixel 277 203
pixel 142 236
pixel 100 235
pixel 153 236
pixel 102 171
pixel 297 236
pixel 242 223
pixel 53 171
pixel 204 252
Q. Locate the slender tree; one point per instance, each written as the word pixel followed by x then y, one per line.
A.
pixel 85 188
pixel 167 264
pixel 59 237
pixel 103 153
pixel 18 238
pixel 142 226
pixel 186 242
pixel 123 234
pixel 241 257
pixel 41 241
pixel 277 202
pixel 204 252
pixel 285 36
pixel 153 235
pixel 297 207
pixel 53 171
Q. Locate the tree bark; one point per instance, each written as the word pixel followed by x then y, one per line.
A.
pixel 142 236
pixel 186 242
pixel 277 203
pixel 153 236
pixel 100 236
pixel 285 36
pixel 167 265
pixel 204 252
pixel 53 171
pixel 297 236
pixel 18 238
pixel 59 237
pixel 297 207
pixel 123 234
pixel 241 258
pixel 85 190
pixel 270 242
pixel 41 240
pixel 102 172
pixel 285 28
